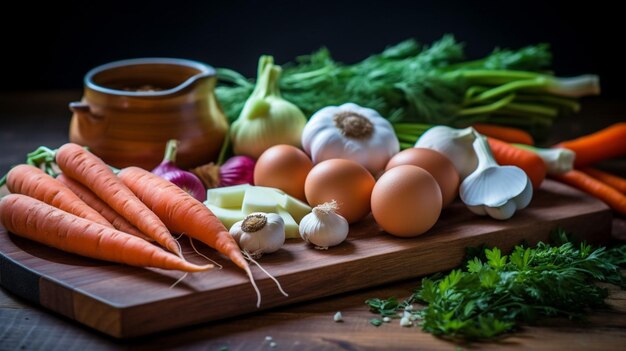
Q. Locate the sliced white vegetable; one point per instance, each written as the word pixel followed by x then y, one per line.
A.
pixel 252 199
pixel 257 199
pixel 295 207
pixel 228 216
pixel 291 227
pixel 227 197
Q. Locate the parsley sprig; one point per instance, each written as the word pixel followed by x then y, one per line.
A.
pixel 492 293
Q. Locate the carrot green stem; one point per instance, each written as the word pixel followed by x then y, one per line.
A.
pixel 411 127
pixel 473 91
pixel 494 77
pixel 562 102
pixel 533 108
pixel 487 108
pixel 511 87
pixel 408 138
pixel 45 157
pixel 295 77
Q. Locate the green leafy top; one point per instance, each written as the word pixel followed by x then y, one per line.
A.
pixel 491 294
pixel 404 82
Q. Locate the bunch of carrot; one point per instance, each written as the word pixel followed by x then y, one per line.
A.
pixel 91 211
pixel 591 149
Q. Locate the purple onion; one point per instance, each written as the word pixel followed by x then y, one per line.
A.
pixel 187 181
pixel 237 170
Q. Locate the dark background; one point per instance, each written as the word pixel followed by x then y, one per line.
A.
pixel 51 46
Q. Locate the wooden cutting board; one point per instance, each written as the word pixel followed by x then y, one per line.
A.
pixel 124 301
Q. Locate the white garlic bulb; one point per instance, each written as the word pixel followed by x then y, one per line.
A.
pixel 494 190
pixel 323 227
pixel 351 132
pixel 259 233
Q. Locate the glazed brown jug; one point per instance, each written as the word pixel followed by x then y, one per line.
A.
pixel 131 108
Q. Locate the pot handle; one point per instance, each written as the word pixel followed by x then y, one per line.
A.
pixel 83 110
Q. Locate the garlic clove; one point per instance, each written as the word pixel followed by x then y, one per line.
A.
pixel 493 186
pixel 479 210
pixel 456 144
pixel 523 200
pixel 503 212
pixel 497 191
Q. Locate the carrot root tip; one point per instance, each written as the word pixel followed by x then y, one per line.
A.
pixel 256 288
pixel 280 288
pixel 202 255
pixel 179 280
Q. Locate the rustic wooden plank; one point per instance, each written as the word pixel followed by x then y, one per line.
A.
pixel 127 301
pixel 56 296
pixel 310 327
pixel 98 314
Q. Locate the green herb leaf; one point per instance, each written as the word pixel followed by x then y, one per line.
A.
pixel 494 292
pixel 412 82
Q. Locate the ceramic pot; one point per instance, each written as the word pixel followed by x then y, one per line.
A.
pixel 131 108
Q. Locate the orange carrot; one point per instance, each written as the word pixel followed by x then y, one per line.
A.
pixel 602 145
pixel 594 187
pixel 32 181
pixel 85 167
pixel 607 178
pixel 38 221
pixel 120 223
pixel 184 214
pixel 527 160
pixel 181 213
pixel 508 134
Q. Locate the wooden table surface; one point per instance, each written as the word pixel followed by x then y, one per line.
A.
pixel 41 118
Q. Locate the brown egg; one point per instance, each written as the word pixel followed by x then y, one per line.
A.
pixel 284 167
pixel 344 181
pixel 438 165
pixel 406 201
